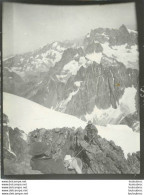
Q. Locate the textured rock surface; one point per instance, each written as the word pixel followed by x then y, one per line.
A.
pixel 15 153
pixel 101 157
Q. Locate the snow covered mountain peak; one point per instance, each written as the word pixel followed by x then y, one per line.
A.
pixel 116 42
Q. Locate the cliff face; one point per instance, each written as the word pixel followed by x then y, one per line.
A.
pixel 15 152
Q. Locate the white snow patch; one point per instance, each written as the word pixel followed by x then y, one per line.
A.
pixel 96 41
pixel 83 62
pixel 70 96
pixel 123 136
pixel 63 104
pixel 21 60
pixel 60 49
pixel 78 83
pixel 88 35
pixel 133 31
pixel 9 146
pixel 51 55
pixel 56 54
pixel 54 44
pixel 39 83
pixel 129 57
pixel 76 55
pixel 106 36
pixel 62 78
pixel 95 57
pixel 128 99
pixel 72 67
pixel 37 56
pixel 24 136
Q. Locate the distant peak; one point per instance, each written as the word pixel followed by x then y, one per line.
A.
pixel 123 28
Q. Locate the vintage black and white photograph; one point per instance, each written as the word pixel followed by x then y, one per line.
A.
pixel 70 89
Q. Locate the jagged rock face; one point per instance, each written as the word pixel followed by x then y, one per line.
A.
pixel 101 157
pixel 8 153
pixel 105 158
pixel 18 144
pixel 99 87
pixel 15 153
pixel 133 162
pixel 114 36
pixel 76 80
pixel 15 146
pixel 94 47
pixel 12 82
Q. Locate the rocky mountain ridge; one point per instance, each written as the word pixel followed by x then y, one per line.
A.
pixel 101 157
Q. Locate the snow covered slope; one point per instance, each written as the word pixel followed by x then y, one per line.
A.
pixel 123 136
pixel 27 116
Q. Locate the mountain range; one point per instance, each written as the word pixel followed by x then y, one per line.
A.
pixel 96 79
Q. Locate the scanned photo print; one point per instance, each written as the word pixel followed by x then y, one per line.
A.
pixel 70 89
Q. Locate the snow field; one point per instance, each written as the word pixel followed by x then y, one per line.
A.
pixel 28 116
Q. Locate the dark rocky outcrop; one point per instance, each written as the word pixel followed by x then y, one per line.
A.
pixel 94 47
pixel 133 162
pixel 15 153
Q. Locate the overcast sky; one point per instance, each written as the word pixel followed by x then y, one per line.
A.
pixel 27 27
